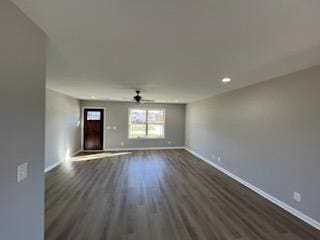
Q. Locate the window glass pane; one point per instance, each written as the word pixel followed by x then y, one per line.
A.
pixel 155 116
pixel 137 131
pixel 155 131
pixel 137 116
pixel 137 123
pixel 93 115
pixel 141 126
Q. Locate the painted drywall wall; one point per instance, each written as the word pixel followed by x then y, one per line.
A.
pixel 63 135
pixel 22 111
pixel 267 134
pixel 117 116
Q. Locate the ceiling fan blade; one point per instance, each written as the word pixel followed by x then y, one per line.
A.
pixel 125 98
pixel 148 100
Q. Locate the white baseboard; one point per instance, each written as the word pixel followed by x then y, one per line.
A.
pixel 47 169
pixel 274 200
pixel 143 148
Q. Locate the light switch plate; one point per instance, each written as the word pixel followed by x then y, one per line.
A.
pixel 22 172
pixel 297 196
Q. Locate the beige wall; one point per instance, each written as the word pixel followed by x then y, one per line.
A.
pixel 62 127
pixel 268 134
pixel 117 115
pixel 22 130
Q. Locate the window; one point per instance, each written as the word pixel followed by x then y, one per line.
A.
pixel 93 115
pixel 146 123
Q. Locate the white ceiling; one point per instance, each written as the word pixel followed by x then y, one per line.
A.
pixel 174 50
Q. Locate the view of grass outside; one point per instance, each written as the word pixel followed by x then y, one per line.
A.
pixel 154 131
pixel 136 131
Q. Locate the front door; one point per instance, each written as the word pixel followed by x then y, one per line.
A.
pixel 93 129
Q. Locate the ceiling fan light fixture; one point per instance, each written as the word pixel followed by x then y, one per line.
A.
pixel 139 99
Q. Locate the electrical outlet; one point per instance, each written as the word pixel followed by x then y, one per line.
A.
pixel 114 127
pixel 122 143
pixel 219 159
pixel 297 197
pixel 108 127
pixel 169 142
pixel 22 172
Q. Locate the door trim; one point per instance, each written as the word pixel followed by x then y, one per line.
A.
pixel 104 127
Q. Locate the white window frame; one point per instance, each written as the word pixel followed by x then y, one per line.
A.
pixel 147 127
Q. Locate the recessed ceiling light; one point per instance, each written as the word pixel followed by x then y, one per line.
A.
pixel 93 97
pixel 225 80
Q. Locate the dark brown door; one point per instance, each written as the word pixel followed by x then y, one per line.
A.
pixel 93 129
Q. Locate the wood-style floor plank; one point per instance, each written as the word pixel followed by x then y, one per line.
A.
pixel 159 195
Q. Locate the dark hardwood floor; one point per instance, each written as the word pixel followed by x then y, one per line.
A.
pixel 159 195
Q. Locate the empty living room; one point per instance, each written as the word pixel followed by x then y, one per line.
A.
pixel 159 120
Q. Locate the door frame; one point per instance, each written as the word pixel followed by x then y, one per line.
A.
pixel 104 127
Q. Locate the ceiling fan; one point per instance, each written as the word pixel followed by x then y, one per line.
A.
pixel 139 99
